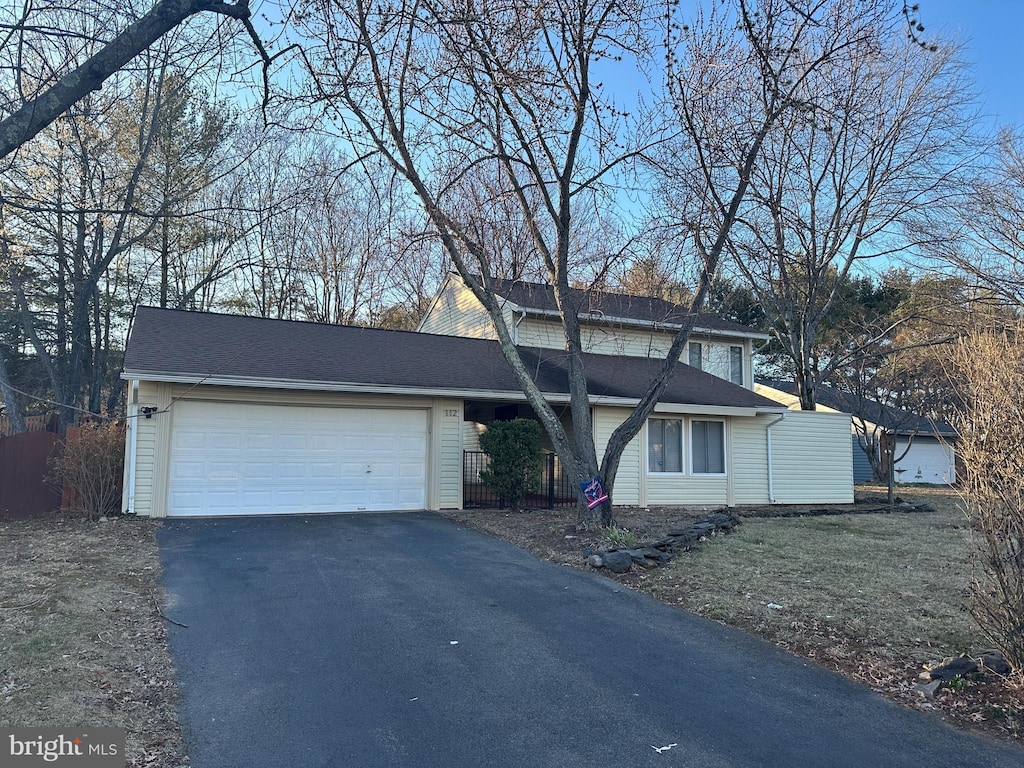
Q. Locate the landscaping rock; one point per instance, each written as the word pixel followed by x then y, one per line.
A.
pixel 927 690
pixel 994 661
pixel 661 552
pixel 617 562
pixel 958 667
pixel 637 554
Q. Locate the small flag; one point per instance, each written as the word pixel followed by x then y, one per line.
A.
pixel 594 492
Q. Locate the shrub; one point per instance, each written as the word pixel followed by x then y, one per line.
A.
pixel 90 466
pixel 988 373
pixel 619 537
pixel 515 459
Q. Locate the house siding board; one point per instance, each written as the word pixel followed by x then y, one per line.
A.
pixel 457 312
pixel 540 333
pixel 671 490
pixel 630 342
pixel 862 471
pixel 449 415
pixel 750 460
pixel 627 488
pixel 812 458
pixel 145 450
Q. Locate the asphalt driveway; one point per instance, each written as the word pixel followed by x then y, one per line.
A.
pixel 407 640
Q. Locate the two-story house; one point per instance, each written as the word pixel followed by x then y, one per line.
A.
pixel 242 415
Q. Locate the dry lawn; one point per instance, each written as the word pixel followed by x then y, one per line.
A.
pixel 874 596
pixel 81 639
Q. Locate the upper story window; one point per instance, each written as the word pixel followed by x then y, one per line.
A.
pixel 724 361
pixel 697 355
pixel 736 365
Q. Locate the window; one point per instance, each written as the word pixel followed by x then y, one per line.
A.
pixel 665 445
pixel 707 444
pixel 696 356
pixel 736 365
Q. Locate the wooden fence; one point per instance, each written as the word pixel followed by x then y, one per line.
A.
pixel 32 424
pixel 24 466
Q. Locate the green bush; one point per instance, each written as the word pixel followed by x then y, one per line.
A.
pixel 515 459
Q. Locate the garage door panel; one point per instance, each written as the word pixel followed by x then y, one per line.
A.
pixel 233 458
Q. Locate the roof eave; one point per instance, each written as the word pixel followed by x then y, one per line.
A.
pixel 468 394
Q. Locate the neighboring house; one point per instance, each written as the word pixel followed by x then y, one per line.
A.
pixel 242 415
pixel 924 449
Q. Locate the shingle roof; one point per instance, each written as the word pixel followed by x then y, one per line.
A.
pixel 166 342
pixel 541 296
pixel 899 421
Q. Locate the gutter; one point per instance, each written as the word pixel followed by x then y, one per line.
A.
pixel 771 475
pixel 648 325
pixel 133 442
pixel 515 328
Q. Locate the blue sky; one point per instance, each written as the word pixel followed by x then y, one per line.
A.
pixel 993 30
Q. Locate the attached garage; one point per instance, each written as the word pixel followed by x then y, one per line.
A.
pixel 251 458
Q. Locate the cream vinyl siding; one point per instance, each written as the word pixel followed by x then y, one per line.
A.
pixel 629 479
pixel 145 450
pixel 669 490
pixel 471 431
pixel 444 460
pixel 456 312
pixel 812 459
pixel 750 459
pixel 611 340
pixel 448 449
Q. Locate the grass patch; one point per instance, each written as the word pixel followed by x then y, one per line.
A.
pixel 81 642
pixel 892 581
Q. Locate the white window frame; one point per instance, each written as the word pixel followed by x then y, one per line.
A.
pixel 743 377
pixel 695 347
pixel 686 448
pixel 692 452
pixel 682 447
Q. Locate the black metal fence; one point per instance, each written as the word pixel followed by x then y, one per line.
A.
pixel 556 488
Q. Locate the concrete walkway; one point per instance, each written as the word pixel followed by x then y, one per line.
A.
pixel 407 640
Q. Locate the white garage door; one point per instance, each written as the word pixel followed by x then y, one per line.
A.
pixel 248 459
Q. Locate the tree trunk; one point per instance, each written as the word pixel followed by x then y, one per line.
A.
pixel 11 406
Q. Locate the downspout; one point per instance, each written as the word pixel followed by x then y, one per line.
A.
pixel 515 328
pixel 132 435
pixel 771 475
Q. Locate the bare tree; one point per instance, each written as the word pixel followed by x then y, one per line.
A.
pixel 988 367
pixel 986 239
pixel 511 93
pixel 74 204
pixel 879 134
pixel 35 104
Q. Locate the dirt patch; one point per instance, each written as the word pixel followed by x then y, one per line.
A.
pixel 81 639
pixel 873 595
